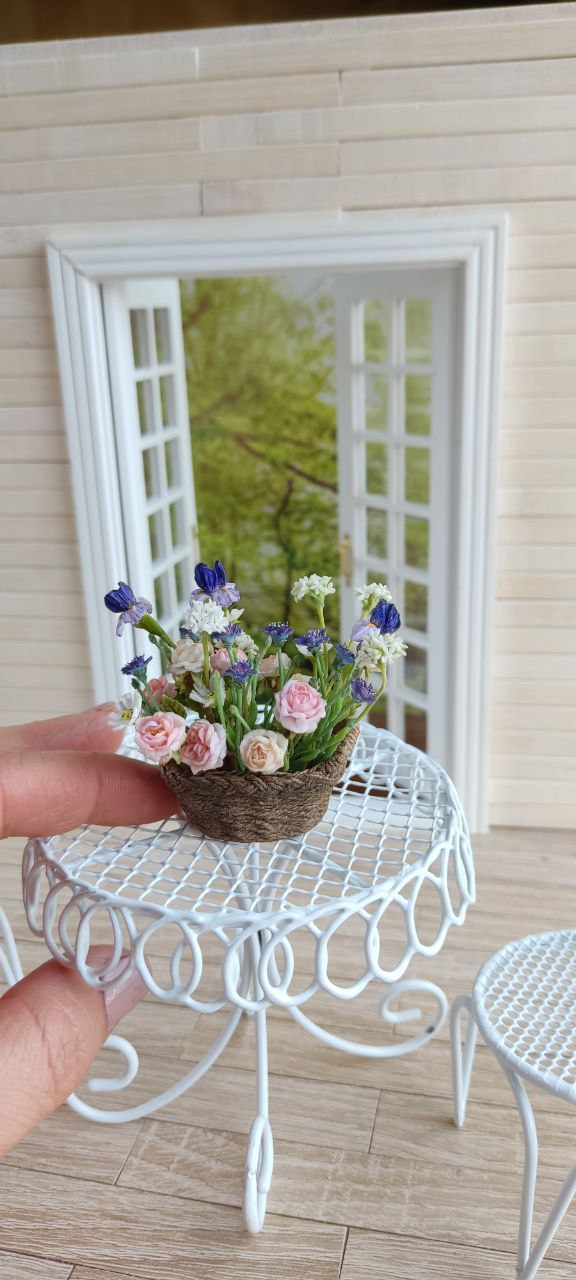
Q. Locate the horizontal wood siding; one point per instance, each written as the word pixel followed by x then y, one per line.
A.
pixel 402 114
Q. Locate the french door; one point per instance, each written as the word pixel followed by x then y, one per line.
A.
pixel 395 379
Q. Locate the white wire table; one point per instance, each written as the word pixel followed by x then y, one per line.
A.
pixel 394 826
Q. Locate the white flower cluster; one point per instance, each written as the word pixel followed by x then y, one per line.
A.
pixel 315 586
pixel 371 595
pixel 245 642
pixel 204 615
pixel 375 650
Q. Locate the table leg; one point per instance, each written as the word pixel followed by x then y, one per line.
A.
pixel 260 1150
pixel 462 1054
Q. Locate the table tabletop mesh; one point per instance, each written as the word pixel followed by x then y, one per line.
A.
pixel 391 810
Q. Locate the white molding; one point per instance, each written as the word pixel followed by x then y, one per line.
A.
pixel 81 262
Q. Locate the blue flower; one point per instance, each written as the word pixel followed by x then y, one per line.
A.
pixel 386 617
pixel 279 632
pixel 187 634
pixel 239 672
pixel 313 640
pixel 137 666
pixel 214 584
pixel 362 690
pixel 343 657
pixel 229 635
pixel 124 602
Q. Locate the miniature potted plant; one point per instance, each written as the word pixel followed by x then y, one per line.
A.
pixel 253 734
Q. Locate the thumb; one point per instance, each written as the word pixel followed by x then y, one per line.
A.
pixel 51 1027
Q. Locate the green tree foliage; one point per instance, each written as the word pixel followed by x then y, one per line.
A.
pixel 260 373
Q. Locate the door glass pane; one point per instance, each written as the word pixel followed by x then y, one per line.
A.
pixel 177 523
pixel 416 542
pixel 378 715
pixel 376 402
pixel 418 331
pixel 162 594
pixel 415 668
pixel 376 330
pixel 145 397
pixel 180 577
pixel 377 533
pixel 167 401
pixel 140 345
pixel 151 465
pixel 418 392
pixel 376 467
pixel 156 535
pixel 415 605
pixel 417 475
pixel 172 468
pixel 416 727
pixel 162 334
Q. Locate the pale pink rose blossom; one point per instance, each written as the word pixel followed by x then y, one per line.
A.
pixel 160 735
pixel 299 706
pixel 187 655
pixel 221 660
pixel 205 746
pixel 269 666
pixel 161 685
pixel 263 750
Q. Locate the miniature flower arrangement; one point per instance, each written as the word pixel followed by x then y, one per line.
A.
pixel 275 718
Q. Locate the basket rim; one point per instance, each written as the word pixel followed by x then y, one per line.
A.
pixel 324 769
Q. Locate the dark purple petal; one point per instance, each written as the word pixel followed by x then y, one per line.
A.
pixel 205 578
pixel 386 617
pixel 121 599
pixel 362 690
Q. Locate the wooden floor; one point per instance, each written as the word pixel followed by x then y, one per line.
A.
pixel 372 1181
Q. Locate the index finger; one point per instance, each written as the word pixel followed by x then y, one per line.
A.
pixel 45 793
pixel 88 731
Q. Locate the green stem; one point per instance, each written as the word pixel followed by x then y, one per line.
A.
pixel 206 671
pixel 149 624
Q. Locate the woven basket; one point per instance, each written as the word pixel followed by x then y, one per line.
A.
pixel 255 806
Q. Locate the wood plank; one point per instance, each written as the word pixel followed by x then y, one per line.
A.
pixel 545 530
pixel 538 768
pixel 68 141
pixel 540 317
pixel 538 442
pixel 157 1236
pixel 59 1146
pixel 23 273
pixel 377 1256
pixel 109 68
pixel 539 743
pixel 484 151
pixel 519 412
pixel 33 362
pixel 29 391
pixel 518 640
pixel 456 83
pixel 14 1266
pixel 44 448
pixel 166 101
pixel 102 204
pixel 33 332
pixel 395 120
pixel 559 559
pixel 20 303
pixel 542 250
pixel 529 501
pixel 543 349
pixel 539 382
pixel 552 586
pixel 97 172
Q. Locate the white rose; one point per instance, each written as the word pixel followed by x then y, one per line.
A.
pixel 187 655
pixel 263 750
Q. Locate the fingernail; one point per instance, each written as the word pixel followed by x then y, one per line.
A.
pixel 121 996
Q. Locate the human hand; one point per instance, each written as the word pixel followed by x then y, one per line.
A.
pixel 56 775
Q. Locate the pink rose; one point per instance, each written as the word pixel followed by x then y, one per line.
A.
pixel 269 666
pixel 263 750
pixel 160 735
pixel 161 685
pixel 205 746
pixel 187 655
pixel 299 706
pixel 221 660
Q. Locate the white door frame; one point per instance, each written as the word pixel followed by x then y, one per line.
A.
pixel 80 263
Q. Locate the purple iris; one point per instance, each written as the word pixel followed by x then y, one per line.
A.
pixel 187 634
pixel 386 617
pixel 229 635
pixel 361 629
pixel 362 690
pixel 124 602
pixel 278 632
pixel 214 584
pixel 239 672
pixel 137 666
pixel 313 639
pixel 343 657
